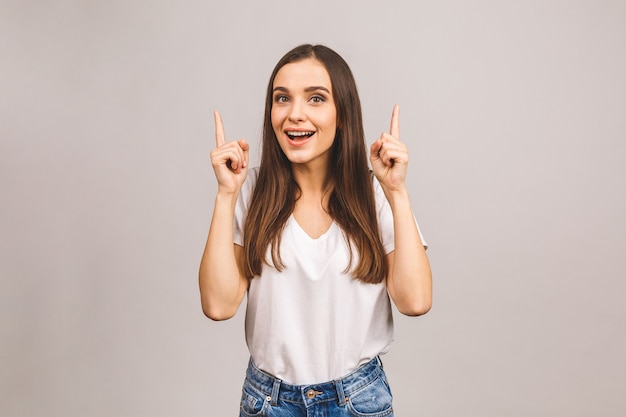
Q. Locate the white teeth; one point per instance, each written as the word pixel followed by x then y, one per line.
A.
pixel 299 134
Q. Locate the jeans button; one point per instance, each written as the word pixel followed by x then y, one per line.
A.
pixel 310 394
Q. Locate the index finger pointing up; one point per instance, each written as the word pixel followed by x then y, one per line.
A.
pixel 394 130
pixel 219 129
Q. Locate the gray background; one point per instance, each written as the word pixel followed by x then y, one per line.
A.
pixel 514 113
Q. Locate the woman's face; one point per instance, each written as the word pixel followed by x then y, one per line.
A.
pixel 303 113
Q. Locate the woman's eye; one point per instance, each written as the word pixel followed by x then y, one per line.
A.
pixel 317 99
pixel 280 99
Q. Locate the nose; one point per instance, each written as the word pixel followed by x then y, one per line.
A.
pixel 296 112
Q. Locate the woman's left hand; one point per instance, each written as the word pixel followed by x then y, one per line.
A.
pixel 389 157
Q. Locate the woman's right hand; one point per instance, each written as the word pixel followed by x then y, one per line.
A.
pixel 229 159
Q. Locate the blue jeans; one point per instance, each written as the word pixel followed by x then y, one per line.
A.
pixel 362 393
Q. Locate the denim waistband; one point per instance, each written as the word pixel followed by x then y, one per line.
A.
pixel 337 390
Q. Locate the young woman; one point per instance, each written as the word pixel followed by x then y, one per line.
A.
pixel 317 243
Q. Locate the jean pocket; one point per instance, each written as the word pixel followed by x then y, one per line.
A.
pixel 373 400
pixel 252 403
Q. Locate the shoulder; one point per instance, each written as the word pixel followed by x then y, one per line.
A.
pixel 245 194
pixel 379 194
pixel 253 176
pixel 250 182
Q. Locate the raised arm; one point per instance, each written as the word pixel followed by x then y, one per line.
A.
pixel 409 279
pixel 222 283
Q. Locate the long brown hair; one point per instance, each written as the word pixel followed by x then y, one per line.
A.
pixel 351 201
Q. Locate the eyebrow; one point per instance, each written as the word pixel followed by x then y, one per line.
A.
pixel 307 90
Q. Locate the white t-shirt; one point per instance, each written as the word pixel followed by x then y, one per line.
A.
pixel 311 322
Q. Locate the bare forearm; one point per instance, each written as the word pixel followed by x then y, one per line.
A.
pixel 409 281
pixel 222 286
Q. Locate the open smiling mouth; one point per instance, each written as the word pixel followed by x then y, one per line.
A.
pixel 295 136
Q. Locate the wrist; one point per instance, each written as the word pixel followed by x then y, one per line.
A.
pixel 398 195
pixel 226 197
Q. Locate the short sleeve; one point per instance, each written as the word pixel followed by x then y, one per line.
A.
pixel 385 218
pixel 243 202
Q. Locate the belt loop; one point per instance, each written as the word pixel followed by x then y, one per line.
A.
pixel 340 394
pixel 380 362
pixel 275 389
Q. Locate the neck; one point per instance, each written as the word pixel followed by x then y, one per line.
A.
pixel 311 180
